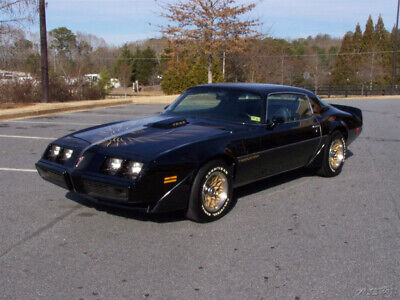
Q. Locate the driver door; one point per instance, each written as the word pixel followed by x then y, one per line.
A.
pixel 292 135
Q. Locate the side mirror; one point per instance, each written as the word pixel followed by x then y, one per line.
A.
pixel 278 120
pixel 324 109
pixel 166 107
pixel 272 124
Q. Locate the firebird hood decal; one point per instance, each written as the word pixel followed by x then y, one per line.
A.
pixel 97 134
pixel 137 137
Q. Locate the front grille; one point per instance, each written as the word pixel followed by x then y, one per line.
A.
pixel 105 191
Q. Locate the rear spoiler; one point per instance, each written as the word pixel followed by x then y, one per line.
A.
pixel 356 112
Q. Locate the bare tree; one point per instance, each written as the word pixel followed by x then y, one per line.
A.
pixel 14 12
pixel 92 40
pixel 124 73
pixel 211 25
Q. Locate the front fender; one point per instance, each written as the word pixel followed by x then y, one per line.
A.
pixel 184 163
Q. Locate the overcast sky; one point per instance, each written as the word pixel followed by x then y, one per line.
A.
pixel 119 21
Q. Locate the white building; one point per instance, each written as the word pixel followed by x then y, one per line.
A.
pixel 94 78
pixel 13 75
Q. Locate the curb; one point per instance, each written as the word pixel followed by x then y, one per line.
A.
pixel 35 111
pixel 40 112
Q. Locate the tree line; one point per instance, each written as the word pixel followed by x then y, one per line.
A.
pixel 362 58
pixel 210 41
pixel 365 57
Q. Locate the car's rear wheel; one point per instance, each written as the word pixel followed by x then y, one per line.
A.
pixel 211 193
pixel 334 156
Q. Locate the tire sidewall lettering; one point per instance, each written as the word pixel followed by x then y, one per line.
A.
pixel 344 150
pixel 222 209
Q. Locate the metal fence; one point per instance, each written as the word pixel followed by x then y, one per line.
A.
pixel 354 90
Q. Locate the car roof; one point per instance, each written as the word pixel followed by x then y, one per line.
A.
pixel 260 88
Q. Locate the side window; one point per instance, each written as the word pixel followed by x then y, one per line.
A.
pixel 288 107
pixel 316 106
pixel 251 107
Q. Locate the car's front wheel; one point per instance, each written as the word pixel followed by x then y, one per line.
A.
pixel 211 193
pixel 334 156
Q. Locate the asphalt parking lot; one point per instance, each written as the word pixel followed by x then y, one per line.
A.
pixel 295 236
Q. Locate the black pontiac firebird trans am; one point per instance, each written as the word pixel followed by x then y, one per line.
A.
pixel 212 139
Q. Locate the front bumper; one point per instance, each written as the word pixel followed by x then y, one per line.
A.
pixel 117 192
pixel 54 174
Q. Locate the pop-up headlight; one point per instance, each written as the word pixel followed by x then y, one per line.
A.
pixel 59 154
pixel 113 165
pixel 133 169
pixel 120 167
pixel 53 152
pixel 67 154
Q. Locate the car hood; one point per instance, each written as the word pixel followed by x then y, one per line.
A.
pixel 149 137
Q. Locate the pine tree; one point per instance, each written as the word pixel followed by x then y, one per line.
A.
pixel 357 58
pixel 392 38
pixel 186 71
pixel 357 38
pixel 105 80
pixel 343 73
pixel 368 38
pixel 383 59
pixel 63 41
pixel 144 65
pixel 381 35
pixel 123 68
pixel 366 73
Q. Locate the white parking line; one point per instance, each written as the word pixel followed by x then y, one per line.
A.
pixel 127 116
pixel 18 170
pixel 26 137
pixel 93 114
pixel 47 122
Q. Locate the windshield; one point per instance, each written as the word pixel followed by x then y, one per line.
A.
pixel 223 104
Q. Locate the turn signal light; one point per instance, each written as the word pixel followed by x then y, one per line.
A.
pixel 170 179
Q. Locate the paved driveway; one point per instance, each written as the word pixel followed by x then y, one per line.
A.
pixel 295 236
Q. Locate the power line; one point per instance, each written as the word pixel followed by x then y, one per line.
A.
pixel 260 56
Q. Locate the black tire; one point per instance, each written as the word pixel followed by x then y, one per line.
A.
pixel 327 169
pixel 197 209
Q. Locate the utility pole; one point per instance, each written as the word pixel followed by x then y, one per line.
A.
pixel 395 49
pixel 316 75
pixel 223 64
pixel 372 71
pixel 43 51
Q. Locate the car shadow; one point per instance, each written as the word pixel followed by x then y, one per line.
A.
pixel 269 183
pixel 179 216
pixel 349 154
pixel 276 180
